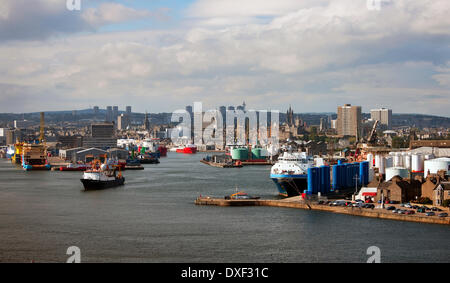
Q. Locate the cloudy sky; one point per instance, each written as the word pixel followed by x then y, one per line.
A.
pixel 160 55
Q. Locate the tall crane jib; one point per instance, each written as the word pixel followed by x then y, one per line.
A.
pixel 42 129
pixel 372 137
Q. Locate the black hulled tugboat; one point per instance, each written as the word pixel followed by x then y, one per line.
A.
pixel 102 176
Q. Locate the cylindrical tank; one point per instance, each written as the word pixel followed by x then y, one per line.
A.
pixel 322 189
pixel 389 162
pixel 382 166
pixel 313 180
pixel 428 156
pixel 336 177
pixel 371 174
pixel 317 180
pixel 257 153
pixel 310 181
pixel 407 161
pixel 377 160
pixel 364 173
pixel 416 163
pixel 239 154
pixel 396 171
pixel 398 160
pixel 435 165
pixel 342 176
pixel 370 159
pixel 327 179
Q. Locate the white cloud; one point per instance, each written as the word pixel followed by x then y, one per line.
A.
pixel 108 13
pixel 41 19
pixel 314 55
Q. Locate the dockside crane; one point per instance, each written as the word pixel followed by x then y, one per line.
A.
pixel 42 129
pixel 371 140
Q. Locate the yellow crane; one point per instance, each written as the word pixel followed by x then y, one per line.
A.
pixel 42 129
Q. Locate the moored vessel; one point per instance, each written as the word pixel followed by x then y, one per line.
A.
pixel 290 173
pixel 188 149
pixel 34 157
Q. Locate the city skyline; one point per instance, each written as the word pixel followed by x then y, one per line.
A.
pixel 158 56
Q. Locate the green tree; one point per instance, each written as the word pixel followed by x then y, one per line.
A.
pixel 399 142
pixel 446 203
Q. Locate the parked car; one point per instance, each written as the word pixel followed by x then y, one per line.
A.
pixel 430 213
pixel 395 210
pixel 421 210
pixel 410 212
pixel 338 203
pixel 407 205
pixel 415 206
pixel 443 214
pixel 390 208
pixel 401 211
pixel 369 205
pixel 436 209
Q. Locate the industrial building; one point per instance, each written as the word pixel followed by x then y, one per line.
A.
pixel 102 136
pixel 87 155
pixel 117 153
pixel 68 154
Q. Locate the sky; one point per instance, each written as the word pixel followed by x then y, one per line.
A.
pixel 161 55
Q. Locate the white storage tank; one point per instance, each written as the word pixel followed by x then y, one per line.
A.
pixel 382 166
pixel 407 161
pixel 396 171
pixel 371 174
pixel 389 162
pixel 370 159
pixel 416 163
pixel 398 162
pixel 377 160
pixel 435 165
pixel 429 156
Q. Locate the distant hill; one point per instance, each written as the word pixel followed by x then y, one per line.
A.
pixel 413 120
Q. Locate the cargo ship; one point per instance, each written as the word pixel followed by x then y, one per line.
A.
pixel 102 176
pixel 290 173
pixel 34 157
pixel 188 149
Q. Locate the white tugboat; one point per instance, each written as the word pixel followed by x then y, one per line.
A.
pixel 102 176
pixel 290 173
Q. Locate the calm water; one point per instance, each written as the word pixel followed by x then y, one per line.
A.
pixel 153 219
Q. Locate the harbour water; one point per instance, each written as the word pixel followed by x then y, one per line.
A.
pixel 153 219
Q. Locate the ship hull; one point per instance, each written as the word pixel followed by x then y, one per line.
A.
pixel 62 168
pixel 290 185
pixel 149 161
pixel 187 150
pixel 28 167
pixel 91 185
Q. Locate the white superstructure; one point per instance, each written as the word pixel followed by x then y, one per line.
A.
pixel 296 163
pixel 98 176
